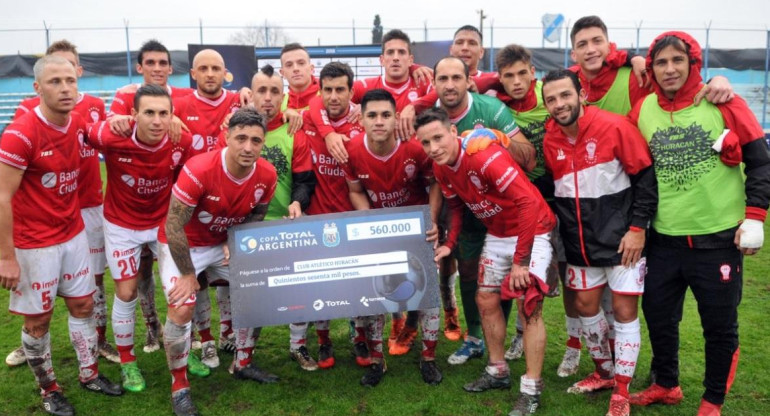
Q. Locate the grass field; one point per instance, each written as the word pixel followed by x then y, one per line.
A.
pixel 402 392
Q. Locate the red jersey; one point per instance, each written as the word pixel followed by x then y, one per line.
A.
pixel 394 180
pixel 331 190
pixel 123 102
pixel 139 176
pixel 300 100
pixel 90 179
pixel 45 207
pixel 204 117
pixel 498 193
pixel 220 200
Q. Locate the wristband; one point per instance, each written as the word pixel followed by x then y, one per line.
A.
pixel 635 228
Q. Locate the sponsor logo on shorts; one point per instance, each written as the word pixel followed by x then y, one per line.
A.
pixel 116 254
pixel 45 285
pixel 642 271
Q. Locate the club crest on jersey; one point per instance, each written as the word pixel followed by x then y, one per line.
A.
pixel 725 270
pixel 176 157
pixel 258 194
pixel 94 116
pixel 331 235
pixel 410 169
pixel 353 133
pixel 591 151
pixel 476 181
pixel 412 95
pixel 560 155
pixel 81 138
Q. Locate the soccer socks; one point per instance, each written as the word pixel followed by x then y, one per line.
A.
pixel 100 312
pixel 322 330
pixel 627 344
pixel 609 315
pixel 596 333
pixel 470 310
pixel 297 335
pixel 374 325
pixel 146 292
pixel 245 339
pixel 498 369
pixel 429 323
pixel 84 340
pixel 225 314
pixel 123 328
pixel 359 323
pixel 530 386
pixel 574 331
pixel 202 315
pixel 38 352
pixel 176 341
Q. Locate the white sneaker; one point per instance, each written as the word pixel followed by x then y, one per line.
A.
pixel 517 348
pixel 16 358
pixel 209 355
pixel 570 363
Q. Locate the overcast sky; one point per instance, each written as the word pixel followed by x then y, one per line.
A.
pixel 513 21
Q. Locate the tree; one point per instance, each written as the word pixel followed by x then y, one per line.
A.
pixel 255 35
pixel 377 31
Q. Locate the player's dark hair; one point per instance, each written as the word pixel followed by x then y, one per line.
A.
pixel 247 117
pixel 558 74
pixel 293 47
pixel 336 70
pixel 465 66
pixel 377 94
pixel 397 34
pixel 63 46
pixel 151 90
pixel 586 22
pixel 512 54
pixel 430 115
pixel 268 70
pixel 672 41
pixel 152 45
pixel 469 28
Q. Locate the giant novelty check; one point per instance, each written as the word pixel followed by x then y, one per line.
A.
pixel 332 266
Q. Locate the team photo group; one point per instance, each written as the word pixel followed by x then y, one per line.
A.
pixel 618 182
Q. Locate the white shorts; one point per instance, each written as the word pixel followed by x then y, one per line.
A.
pixel 622 280
pixel 94 221
pixel 210 259
pixel 124 248
pixel 62 269
pixel 497 259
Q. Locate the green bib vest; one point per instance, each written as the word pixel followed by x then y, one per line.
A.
pixel 697 193
pixel 617 99
pixel 278 150
pixel 532 125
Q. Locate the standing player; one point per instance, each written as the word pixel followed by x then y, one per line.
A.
pixel 90 195
pixel 605 196
pixel 385 172
pixel 215 191
pixel 708 217
pixel 140 172
pixel 204 112
pixel 516 253
pixel 43 246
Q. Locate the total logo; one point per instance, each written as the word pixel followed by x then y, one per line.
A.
pixel 320 303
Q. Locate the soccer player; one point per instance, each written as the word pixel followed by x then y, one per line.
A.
pixel 90 195
pixel 605 196
pixel 43 245
pixel 140 172
pixel 708 217
pixel 385 172
pixel 204 112
pixel 516 252
pixel 297 69
pixel 214 191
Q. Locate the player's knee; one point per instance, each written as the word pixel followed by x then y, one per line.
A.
pixel 625 311
pixel 82 307
pixel 586 306
pixel 181 315
pixel 37 326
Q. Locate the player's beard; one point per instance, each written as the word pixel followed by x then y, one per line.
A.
pixel 573 116
pixel 212 91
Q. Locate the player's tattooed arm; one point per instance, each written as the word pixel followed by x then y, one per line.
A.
pixel 179 215
pixel 257 214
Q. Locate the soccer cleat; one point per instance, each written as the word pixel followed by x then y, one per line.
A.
pixel 55 403
pixel 526 404
pixel 132 377
pixel 361 352
pixel 109 352
pixel 517 348
pixel 619 406
pixel 468 350
pixel 570 363
pixel 101 384
pixel 396 326
pixel 196 367
pixel 227 343
pixel 252 372
pixel 592 383
pixel 181 402
pixel 452 330
pixel 326 356
pixel 404 341
pixel 152 338
pixel 303 358
pixel 373 375
pixel 16 358
pixel 709 409
pixel 209 355
pixel 430 372
pixel 488 382
pixel 657 394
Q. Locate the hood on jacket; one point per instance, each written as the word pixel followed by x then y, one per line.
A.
pixel 684 97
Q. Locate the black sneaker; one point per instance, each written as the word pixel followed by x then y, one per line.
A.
pixel 488 382
pixel 373 375
pixel 252 372
pixel 526 404
pixel 56 404
pixel 430 372
pixel 325 356
pixel 361 352
pixel 182 403
pixel 102 385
